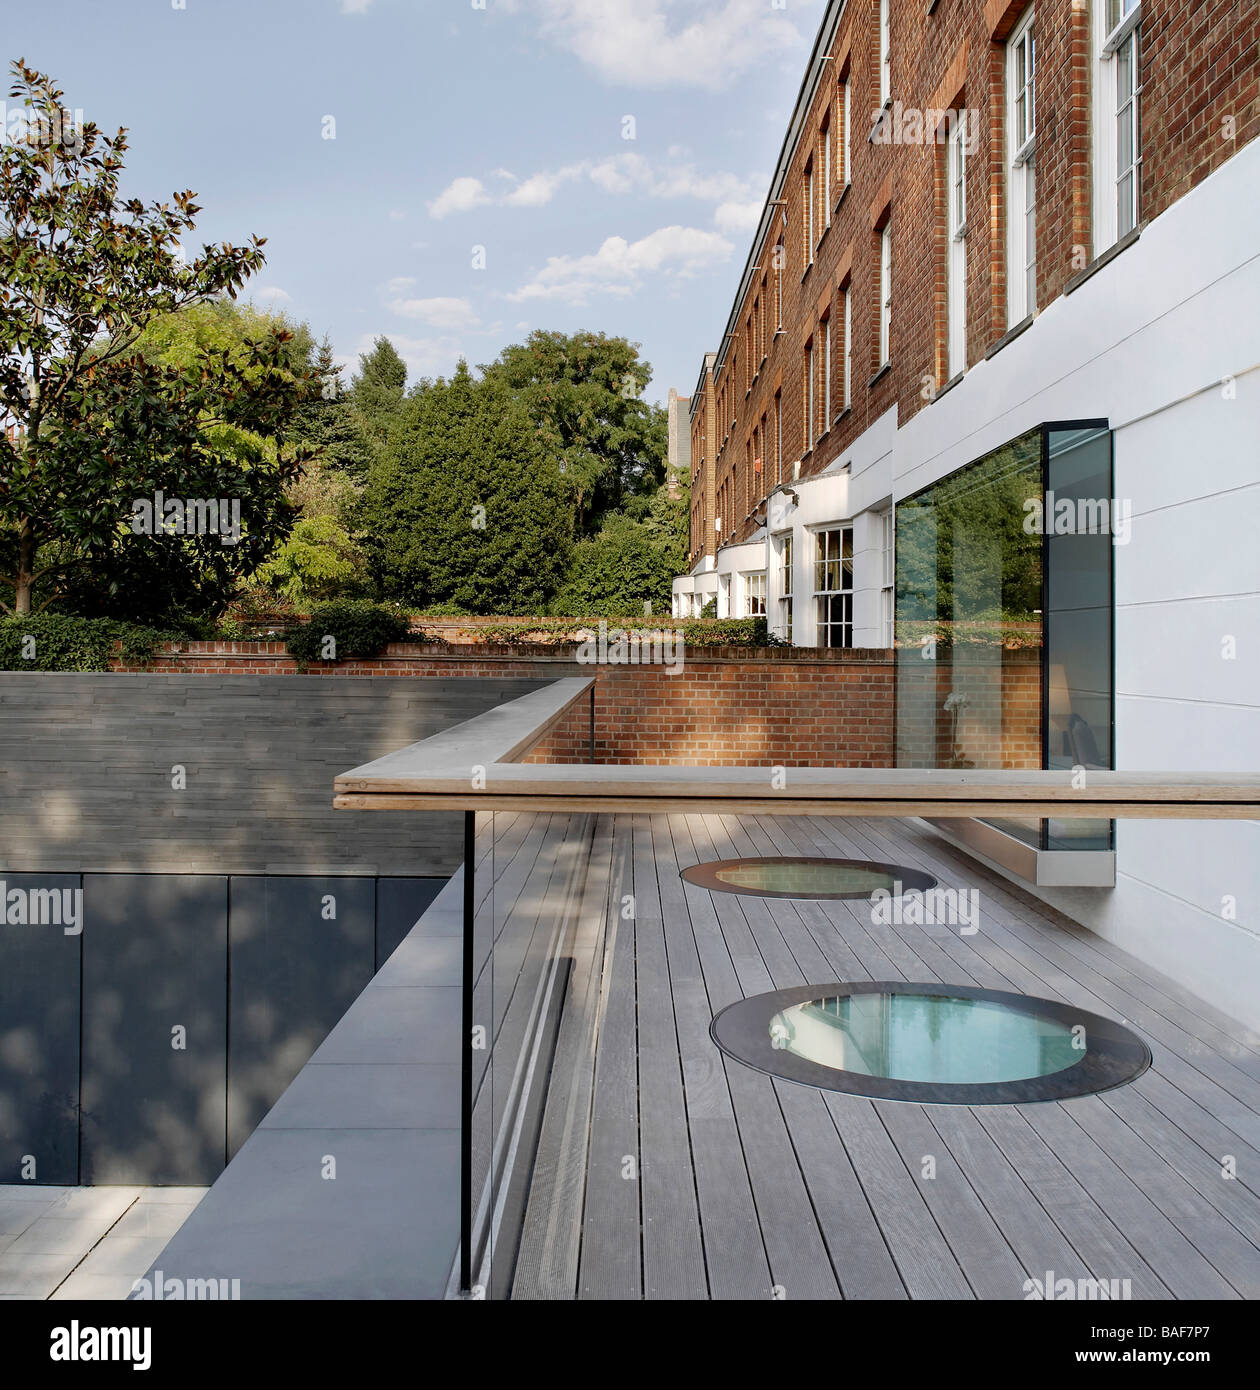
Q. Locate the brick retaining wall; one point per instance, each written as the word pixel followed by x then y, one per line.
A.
pixel 728 705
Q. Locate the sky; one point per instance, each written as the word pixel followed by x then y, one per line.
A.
pixel 454 125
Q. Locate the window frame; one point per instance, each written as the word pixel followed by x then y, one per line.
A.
pixel 1021 175
pixel 885 52
pixel 885 294
pixel 956 248
pixel 824 596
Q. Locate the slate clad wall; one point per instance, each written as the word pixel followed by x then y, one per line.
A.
pixel 86 772
pixel 253 971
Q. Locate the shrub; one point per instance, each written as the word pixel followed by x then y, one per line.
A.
pixel 357 629
pixel 55 642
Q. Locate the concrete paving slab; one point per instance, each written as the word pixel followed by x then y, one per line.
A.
pixel 95 1287
pixel 153 1219
pixel 60 1235
pixel 409 1023
pixel 32 1275
pixel 130 1255
pixel 397 1095
pixel 173 1194
pixel 277 1224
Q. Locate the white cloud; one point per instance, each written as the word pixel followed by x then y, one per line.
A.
pixel 355 6
pixel 616 175
pixel 273 295
pixel 446 315
pixel 400 284
pixel 660 43
pixel 540 189
pixel 737 217
pixel 619 266
pixel 462 195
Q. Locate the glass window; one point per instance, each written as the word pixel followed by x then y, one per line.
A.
pixel 1003 632
pixel 809 395
pixel 887 578
pixel 826 187
pixel 956 246
pixel 885 52
pixel 755 594
pixel 1128 134
pixel 833 586
pixel 785 587
pixel 885 295
pixel 826 367
pixel 1021 203
pixel 848 347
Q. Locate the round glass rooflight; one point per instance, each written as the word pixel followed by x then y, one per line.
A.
pixel 786 877
pixel 935 1044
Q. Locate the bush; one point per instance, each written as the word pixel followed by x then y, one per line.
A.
pixel 357 629
pixel 55 642
pixel 725 632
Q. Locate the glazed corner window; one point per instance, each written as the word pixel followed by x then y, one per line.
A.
pixel 1021 181
pixel 885 52
pixel 885 294
pixel 888 578
pixel 956 244
pixel 833 586
pixel 755 591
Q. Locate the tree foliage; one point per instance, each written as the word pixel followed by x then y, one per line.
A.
pixel 465 506
pixel 584 394
pixel 90 418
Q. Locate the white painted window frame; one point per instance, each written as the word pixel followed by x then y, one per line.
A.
pixel 885 295
pixel 1021 178
pixel 956 248
pixel 1116 23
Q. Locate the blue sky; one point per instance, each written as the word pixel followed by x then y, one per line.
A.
pixel 455 127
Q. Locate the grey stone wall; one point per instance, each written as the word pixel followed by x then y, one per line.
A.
pixel 88 772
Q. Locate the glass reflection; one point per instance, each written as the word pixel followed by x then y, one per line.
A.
pixel 932 1038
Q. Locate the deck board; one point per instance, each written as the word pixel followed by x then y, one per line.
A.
pixel 752 1187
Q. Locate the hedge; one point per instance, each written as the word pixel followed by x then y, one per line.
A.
pixel 55 642
pixel 357 628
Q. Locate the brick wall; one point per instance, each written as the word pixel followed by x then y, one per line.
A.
pixel 1200 73
pixel 735 706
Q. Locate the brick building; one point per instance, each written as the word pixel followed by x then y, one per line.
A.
pixel 1009 262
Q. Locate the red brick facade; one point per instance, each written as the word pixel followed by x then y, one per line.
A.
pixel 771 706
pixel 1200 72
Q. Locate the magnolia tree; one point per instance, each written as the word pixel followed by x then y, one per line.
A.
pixel 90 427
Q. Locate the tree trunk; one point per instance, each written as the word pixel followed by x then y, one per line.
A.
pixel 25 567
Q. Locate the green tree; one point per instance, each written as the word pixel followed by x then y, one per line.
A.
pixel 331 423
pixel 584 393
pixel 87 423
pixel 465 506
pixel 615 573
pixel 377 389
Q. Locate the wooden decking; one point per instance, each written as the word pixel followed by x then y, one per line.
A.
pixel 664 1170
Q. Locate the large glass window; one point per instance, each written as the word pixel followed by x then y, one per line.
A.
pixel 885 295
pixel 1003 617
pixel 833 586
